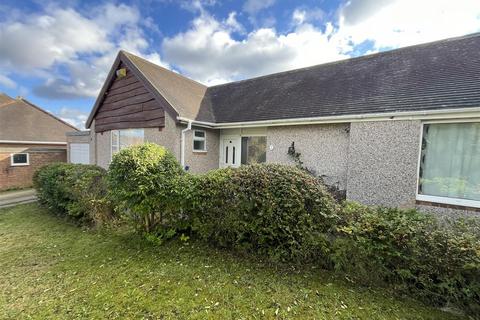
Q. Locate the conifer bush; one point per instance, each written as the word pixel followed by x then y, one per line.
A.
pixel 145 185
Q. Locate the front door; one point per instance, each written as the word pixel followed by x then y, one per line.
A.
pixel 231 152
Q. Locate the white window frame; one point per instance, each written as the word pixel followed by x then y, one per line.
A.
pixel 112 144
pixel 19 164
pixel 204 139
pixel 437 199
pixel 118 141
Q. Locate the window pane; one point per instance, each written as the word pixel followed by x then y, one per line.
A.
pixel 244 155
pixel 450 161
pixel 198 145
pixel 130 137
pixel 254 150
pixel 20 158
pixel 200 134
pixel 115 137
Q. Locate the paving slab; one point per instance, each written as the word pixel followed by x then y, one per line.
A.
pixel 13 198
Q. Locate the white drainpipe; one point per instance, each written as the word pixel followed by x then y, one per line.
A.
pixel 182 152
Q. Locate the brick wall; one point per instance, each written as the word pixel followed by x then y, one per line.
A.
pixel 21 176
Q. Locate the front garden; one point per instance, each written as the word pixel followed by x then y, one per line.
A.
pixel 279 215
pixel 50 268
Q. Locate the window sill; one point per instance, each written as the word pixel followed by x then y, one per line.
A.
pixel 452 203
pixel 19 164
pixel 199 151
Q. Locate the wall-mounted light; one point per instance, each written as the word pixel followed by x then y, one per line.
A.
pixel 121 73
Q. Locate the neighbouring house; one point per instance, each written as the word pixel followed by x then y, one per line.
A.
pixel 398 128
pixel 30 138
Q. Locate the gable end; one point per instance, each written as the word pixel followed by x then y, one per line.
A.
pixel 127 104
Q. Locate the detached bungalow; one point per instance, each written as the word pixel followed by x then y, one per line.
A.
pixel 398 128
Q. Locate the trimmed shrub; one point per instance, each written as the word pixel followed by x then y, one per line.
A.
pixel 75 190
pixel 413 251
pixel 278 211
pixel 145 184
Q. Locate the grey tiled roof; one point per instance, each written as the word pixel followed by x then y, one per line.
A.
pixel 185 95
pixel 439 75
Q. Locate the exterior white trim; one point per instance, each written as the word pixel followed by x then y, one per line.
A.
pixel 19 164
pixel 33 142
pixel 111 142
pixel 452 201
pixel 437 199
pixel 204 139
pixel 119 143
pixel 443 114
pixel 221 154
pixel 182 143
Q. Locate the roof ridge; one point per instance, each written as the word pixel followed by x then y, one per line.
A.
pixel 367 56
pixel 364 57
pixel 163 68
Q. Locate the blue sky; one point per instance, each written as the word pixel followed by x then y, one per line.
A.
pixel 57 54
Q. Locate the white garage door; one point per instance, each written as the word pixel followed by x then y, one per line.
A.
pixel 80 153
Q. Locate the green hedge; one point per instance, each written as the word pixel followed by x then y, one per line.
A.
pixel 75 190
pixel 278 211
pixel 438 261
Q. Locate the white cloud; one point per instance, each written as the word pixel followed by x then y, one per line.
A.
pixel 398 23
pixel 254 6
pixel 73 116
pixel 301 16
pixel 233 23
pixel 209 53
pixel 55 37
pixel 71 51
pixel 7 82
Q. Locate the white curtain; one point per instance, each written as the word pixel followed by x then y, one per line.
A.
pixel 450 163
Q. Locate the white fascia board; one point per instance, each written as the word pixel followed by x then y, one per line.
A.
pixel 459 113
pixel 33 142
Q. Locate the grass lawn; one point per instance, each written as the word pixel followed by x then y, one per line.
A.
pixel 50 268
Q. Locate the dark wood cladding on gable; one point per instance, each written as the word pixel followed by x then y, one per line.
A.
pixel 127 105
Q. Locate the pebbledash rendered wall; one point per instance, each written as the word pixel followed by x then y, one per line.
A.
pixel 323 148
pixel 382 163
pixel 375 161
pixel 169 137
pixel 383 167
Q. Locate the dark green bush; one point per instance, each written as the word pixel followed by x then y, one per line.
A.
pixel 274 210
pixel 75 190
pixel 416 253
pixel 145 184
